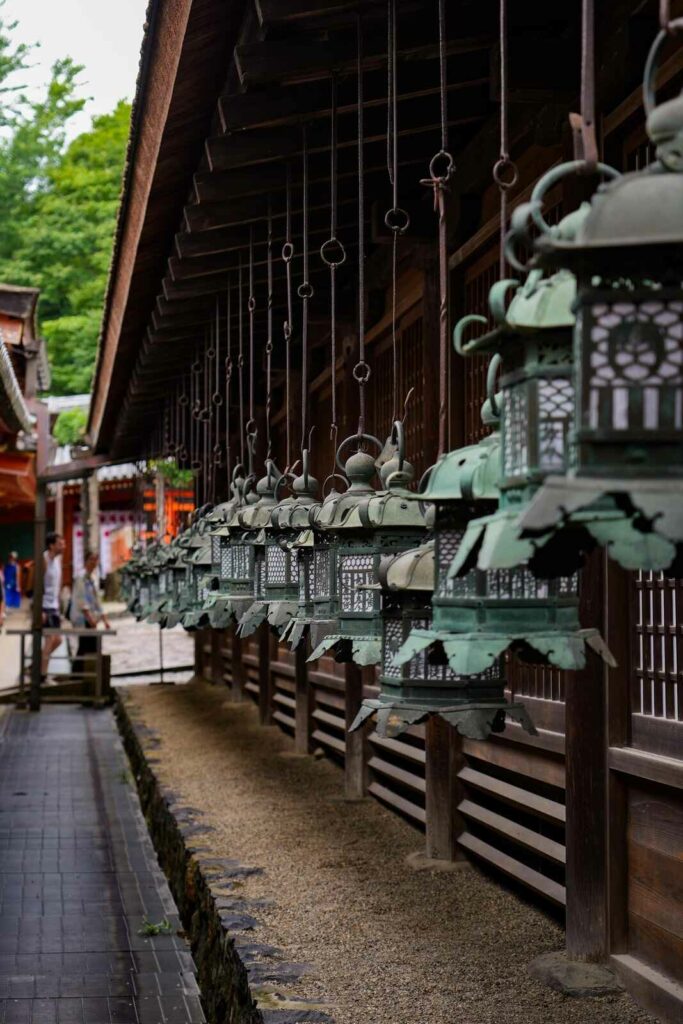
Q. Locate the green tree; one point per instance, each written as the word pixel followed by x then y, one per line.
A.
pixel 58 208
pixel 70 426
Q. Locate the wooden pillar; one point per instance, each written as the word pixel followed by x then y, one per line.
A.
pixel 216 670
pixel 304 700
pixel 356 761
pixel 586 771
pixel 199 654
pixel 619 624
pixel 39 409
pixel 264 676
pixel 443 792
pixel 237 678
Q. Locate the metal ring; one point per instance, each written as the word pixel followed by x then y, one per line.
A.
pixel 551 178
pixel 196 464
pixel 287 330
pixel 356 437
pixel 499 169
pixel 397 219
pixel 652 64
pixel 305 290
pixel 332 476
pixel 217 398
pixel 196 366
pixel 330 245
pixel 211 352
pixel 287 252
pixel 251 304
pixel 183 400
pixel 361 372
pixel 433 163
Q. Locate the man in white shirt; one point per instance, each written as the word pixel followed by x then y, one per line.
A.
pixel 52 586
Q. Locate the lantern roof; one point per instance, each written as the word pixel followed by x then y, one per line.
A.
pixel 411 570
pixel 467 474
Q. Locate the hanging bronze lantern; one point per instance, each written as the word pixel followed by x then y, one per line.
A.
pixel 255 522
pixel 533 342
pixel 365 526
pixel 316 550
pixel 284 578
pixel 198 563
pixel 218 603
pixel 479 615
pixel 627 258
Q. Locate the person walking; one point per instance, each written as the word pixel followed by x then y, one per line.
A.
pixel 12 587
pixel 86 612
pixel 52 586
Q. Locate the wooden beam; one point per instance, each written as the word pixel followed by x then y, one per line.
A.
pixel 286 61
pixel 76 469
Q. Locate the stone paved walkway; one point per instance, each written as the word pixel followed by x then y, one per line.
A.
pixel 78 880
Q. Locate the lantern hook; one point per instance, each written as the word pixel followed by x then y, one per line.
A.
pixel 462 348
pixel 491 375
pixel 498 296
pixel 550 179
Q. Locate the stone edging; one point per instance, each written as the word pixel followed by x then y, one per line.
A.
pixel 234 971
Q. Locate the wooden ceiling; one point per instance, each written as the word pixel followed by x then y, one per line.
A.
pixel 225 91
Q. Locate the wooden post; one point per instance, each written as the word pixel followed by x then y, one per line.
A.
pixel 199 654
pixel 619 624
pixel 39 409
pixel 265 677
pixel 302 735
pixel 586 772
pixel 216 670
pixel 356 762
pixel 443 792
pixel 236 665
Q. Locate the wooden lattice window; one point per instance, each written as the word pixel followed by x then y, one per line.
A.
pixel 657 645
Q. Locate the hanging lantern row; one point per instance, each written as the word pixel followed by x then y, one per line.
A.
pixel 438 587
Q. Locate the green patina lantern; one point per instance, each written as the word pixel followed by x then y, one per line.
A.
pixel 478 615
pixel 366 525
pixel 628 262
pixel 218 603
pixel 175 577
pixel 286 577
pixel 532 341
pixel 199 578
pixel 131 579
pixel 413 689
pixel 255 521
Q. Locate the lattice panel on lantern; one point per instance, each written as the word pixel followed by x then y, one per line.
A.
pixel 636 366
pixel 393 638
pixel 276 561
pixel 357 571
pixel 658 646
pixel 516 451
pixel 322 573
pixel 447 544
pixel 226 562
pixel 216 550
pixel 556 413
pixel 259 573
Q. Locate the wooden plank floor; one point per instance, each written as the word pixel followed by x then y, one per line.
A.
pixel 78 878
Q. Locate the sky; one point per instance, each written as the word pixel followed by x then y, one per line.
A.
pixel 102 35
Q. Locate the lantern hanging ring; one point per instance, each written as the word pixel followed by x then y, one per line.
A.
pixel 505 173
pixel 464 348
pixel 551 178
pixel 652 62
pixel 491 375
pixel 397 220
pixel 361 372
pixel 332 253
pixel 331 477
pixel 360 437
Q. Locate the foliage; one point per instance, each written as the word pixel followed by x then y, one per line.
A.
pixel 173 475
pixel 70 426
pixel 163 927
pixel 58 208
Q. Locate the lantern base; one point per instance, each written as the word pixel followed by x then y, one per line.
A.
pixel 639 522
pixel 474 720
pixel 362 650
pixel 192 621
pixel 470 654
pixel 252 619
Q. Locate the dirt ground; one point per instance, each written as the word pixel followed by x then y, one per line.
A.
pixel 388 945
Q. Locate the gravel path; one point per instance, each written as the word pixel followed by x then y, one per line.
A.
pixel 388 945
